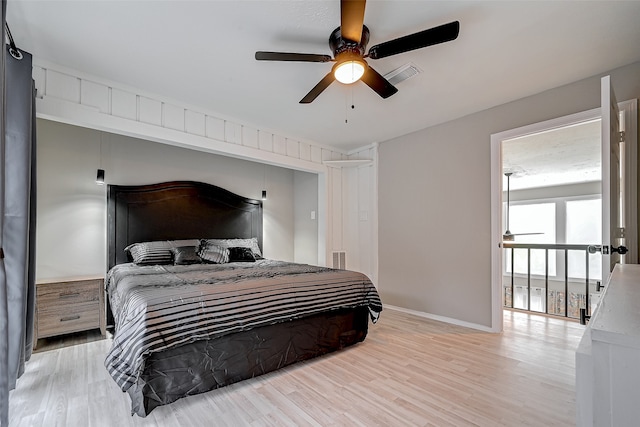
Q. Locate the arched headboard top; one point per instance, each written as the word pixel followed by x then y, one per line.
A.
pixel 176 210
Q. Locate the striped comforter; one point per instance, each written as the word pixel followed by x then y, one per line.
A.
pixel 163 306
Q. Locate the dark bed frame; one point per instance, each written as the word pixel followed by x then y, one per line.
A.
pixel 190 210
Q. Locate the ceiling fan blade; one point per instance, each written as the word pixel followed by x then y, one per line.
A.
pixel 435 35
pixel 524 234
pixel 317 90
pixel 285 56
pixel 378 83
pixel 352 19
pixel 510 237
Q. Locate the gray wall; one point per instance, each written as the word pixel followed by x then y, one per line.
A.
pixel 71 228
pixel 434 200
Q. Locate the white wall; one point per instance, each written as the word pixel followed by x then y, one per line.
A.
pixel 353 203
pixel 434 201
pixel 71 237
pixel 360 212
pixel 305 188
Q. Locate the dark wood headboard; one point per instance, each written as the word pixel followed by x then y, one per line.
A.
pixel 176 210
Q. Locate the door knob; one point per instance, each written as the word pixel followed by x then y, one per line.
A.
pixel 620 249
pixel 605 249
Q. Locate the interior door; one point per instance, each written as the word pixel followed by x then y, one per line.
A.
pixel 611 176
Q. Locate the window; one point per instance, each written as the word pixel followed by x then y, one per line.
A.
pixel 571 220
pixel 584 226
pixel 538 218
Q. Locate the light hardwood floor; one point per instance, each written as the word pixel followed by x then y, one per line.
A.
pixel 409 371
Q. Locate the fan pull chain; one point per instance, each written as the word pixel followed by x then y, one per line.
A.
pixel 346 110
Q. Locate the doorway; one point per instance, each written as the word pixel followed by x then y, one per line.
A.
pixel 538 180
pixel 553 197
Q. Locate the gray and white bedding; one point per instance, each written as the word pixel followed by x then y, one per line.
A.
pixel 159 307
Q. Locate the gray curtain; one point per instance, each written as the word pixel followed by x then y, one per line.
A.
pixel 17 220
pixel 4 319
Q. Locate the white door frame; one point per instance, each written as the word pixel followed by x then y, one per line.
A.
pixel 630 110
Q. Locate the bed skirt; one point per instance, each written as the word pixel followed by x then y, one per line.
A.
pixel 205 365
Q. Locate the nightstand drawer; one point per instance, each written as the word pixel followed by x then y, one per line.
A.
pixel 53 295
pixel 80 317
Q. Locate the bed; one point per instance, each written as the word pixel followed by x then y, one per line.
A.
pixel 189 324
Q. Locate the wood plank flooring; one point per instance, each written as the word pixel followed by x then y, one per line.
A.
pixel 61 341
pixel 410 371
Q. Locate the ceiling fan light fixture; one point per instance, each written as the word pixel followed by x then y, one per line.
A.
pixel 349 71
pixel 348 42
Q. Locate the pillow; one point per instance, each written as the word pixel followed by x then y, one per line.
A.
pixel 239 254
pixel 214 254
pixel 157 252
pixel 185 255
pixel 148 253
pixel 251 243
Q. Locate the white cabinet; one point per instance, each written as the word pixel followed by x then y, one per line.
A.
pixel 608 356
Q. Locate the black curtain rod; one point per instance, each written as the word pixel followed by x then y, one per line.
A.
pixel 13 49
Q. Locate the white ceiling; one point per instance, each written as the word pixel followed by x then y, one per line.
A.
pixel 202 53
pixel 566 155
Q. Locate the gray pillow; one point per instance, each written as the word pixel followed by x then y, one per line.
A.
pixel 156 252
pixel 214 254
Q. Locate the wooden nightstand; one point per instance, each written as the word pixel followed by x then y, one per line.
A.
pixel 69 305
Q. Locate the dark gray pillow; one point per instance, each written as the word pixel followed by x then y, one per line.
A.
pixel 240 254
pixel 185 255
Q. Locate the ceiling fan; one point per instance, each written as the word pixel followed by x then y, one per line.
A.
pixel 508 236
pixel 348 43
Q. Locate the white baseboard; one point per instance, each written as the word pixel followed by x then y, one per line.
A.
pixel 441 318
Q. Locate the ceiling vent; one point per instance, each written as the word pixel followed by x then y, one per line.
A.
pixel 403 73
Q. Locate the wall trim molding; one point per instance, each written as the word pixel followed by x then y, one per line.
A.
pixel 443 319
pixel 63 93
pixel 355 151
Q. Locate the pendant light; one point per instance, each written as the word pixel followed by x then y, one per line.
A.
pixel 100 177
pixel 264 182
pixel 100 174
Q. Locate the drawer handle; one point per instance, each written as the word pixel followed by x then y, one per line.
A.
pixel 69 295
pixel 68 318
